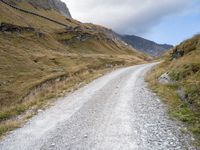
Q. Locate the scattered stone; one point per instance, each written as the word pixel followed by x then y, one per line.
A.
pixel 164 79
pixel 6 27
pixel 85 136
pixel 177 54
pixel 57 70
pixel 181 93
pixel 40 110
pixel 109 65
pixel 39 34
pixel 3 83
pixel 53 144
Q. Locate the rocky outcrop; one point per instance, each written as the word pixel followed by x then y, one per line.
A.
pixel 57 5
pixel 13 5
pixel 109 34
pixel 187 46
pixel 6 27
pixel 62 8
pixel 177 53
pixel 146 46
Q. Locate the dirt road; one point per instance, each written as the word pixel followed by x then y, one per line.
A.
pixel 114 112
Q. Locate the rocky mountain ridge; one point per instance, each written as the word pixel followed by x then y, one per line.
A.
pixel 57 5
pixel 146 46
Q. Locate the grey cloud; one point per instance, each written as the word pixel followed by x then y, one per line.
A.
pixel 125 16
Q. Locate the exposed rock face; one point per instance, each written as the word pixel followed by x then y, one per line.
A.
pixel 177 54
pixel 6 27
pixel 146 46
pixel 57 5
pixel 107 34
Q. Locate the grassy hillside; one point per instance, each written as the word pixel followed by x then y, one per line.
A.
pixel 40 59
pixel 183 95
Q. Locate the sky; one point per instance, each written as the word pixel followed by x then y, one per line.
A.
pixel 163 21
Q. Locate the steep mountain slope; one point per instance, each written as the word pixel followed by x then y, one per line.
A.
pixel 43 53
pixel 146 46
pixel 182 93
pixel 57 5
pixel 52 4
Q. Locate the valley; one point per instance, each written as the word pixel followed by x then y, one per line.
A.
pixel 65 84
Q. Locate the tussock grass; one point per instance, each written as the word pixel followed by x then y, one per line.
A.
pixel 8 126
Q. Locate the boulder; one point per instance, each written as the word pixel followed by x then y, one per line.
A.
pixel 181 94
pixel 109 65
pixel 39 34
pixel 177 54
pixel 164 79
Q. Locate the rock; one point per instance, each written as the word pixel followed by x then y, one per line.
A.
pixel 58 80
pixel 62 8
pixel 69 28
pixel 3 83
pixel 78 37
pixel 181 93
pixel 39 110
pixel 109 65
pixel 6 27
pixel 39 34
pixel 164 79
pixel 63 93
pixel 177 54
pixel 85 136
pixel 57 70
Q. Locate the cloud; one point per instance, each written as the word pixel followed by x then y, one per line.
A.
pixel 126 16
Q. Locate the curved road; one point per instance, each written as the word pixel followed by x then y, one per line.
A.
pixel 114 112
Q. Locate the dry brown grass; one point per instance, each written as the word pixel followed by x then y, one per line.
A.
pixel 27 60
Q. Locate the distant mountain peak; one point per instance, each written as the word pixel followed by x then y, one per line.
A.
pixel 146 46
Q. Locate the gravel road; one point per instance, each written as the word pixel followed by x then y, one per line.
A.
pixel 114 112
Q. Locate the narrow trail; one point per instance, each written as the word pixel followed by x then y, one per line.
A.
pixel 114 112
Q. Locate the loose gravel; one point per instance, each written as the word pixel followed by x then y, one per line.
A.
pixel 114 112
